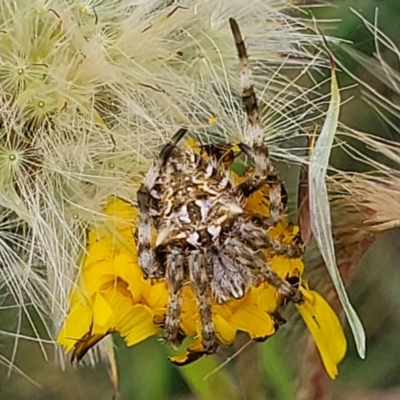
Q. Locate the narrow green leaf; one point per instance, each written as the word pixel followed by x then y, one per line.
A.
pixel 321 223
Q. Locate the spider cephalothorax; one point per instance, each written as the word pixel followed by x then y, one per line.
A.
pixel 194 228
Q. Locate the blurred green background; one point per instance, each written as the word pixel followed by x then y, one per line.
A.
pixel 262 370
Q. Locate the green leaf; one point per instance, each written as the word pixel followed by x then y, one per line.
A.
pixel 321 223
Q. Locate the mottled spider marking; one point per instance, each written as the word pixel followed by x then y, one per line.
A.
pixel 147 260
pixel 258 152
pixel 254 233
pixel 200 282
pixel 175 277
pixel 249 98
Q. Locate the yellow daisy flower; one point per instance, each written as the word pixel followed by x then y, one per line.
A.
pixel 112 296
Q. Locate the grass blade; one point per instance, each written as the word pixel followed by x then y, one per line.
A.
pixel 320 214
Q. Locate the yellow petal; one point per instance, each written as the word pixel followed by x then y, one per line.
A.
pixel 133 322
pixel 127 269
pixel 98 268
pixel 283 231
pixel 180 359
pixel 267 298
pixel 157 297
pixel 121 212
pixel 193 352
pixel 224 310
pixel 103 314
pixel 76 326
pixel 225 332
pixel 136 325
pixel 325 328
pixel 258 201
pixel 254 321
pixel 285 267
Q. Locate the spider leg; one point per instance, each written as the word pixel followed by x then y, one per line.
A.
pixel 175 276
pixel 261 269
pixel 222 152
pixel 249 98
pixel 259 153
pixel 262 240
pixel 258 264
pixel 166 151
pixel 199 279
pixel 264 173
pixel 147 259
pixel 282 286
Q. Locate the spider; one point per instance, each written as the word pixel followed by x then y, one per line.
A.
pixel 193 228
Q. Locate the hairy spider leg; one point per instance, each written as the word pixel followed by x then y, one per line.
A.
pixel 258 228
pixel 175 269
pixel 222 152
pixel 258 238
pixel 199 279
pixel 258 152
pixel 147 259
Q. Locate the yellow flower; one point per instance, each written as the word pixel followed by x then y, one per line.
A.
pixel 112 296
